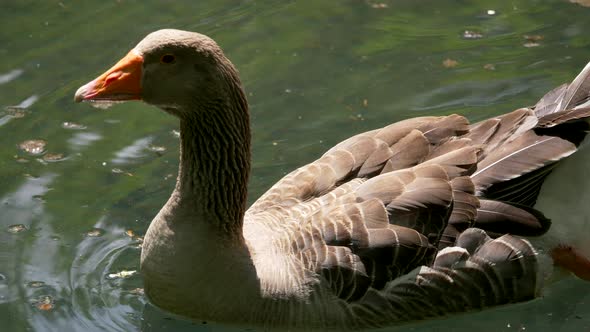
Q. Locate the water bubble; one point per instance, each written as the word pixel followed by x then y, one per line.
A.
pixel 33 146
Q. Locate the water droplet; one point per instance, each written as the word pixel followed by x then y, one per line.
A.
pixel 17 228
pixel 33 146
pixel 73 126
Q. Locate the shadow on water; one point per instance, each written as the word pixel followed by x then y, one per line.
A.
pixel 78 187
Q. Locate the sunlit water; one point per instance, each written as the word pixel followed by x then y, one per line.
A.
pixel 79 186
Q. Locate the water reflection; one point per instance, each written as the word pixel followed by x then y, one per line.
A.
pixel 132 152
pixel 82 140
pixel 10 76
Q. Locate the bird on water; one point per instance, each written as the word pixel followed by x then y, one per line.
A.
pixel 421 218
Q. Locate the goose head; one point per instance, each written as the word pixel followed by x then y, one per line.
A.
pixel 178 71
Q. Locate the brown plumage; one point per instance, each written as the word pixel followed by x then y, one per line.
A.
pixel 417 219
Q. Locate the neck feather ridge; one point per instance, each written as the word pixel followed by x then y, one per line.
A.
pixel 215 164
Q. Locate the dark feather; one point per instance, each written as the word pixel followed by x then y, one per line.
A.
pixel 526 153
pixel 503 218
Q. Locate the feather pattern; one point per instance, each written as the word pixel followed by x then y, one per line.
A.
pixel 396 222
pixel 405 222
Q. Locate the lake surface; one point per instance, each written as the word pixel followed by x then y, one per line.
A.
pixel 75 201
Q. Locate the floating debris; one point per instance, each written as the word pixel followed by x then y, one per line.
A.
pixel 176 133
pixel 16 228
pixel 379 5
pixel 365 103
pixel 120 171
pixel 470 34
pixel 95 232
pixel 44 303
pixel 73 126
pixel 33 146
pixel 532 40
pixel 21 160
pixel 53 157
pixel 533 37
pixel 275 143
pixel 124 274
pixel 491 12
pixel 156 148
pixel 136 291
pixel 16 112
pixel 130 233
pixel 450 63
pixel 489 66
pixel 531 44
pixel 35 284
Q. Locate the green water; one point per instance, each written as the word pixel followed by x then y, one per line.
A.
pixel 316 72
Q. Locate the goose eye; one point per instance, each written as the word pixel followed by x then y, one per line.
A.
pixel 167 58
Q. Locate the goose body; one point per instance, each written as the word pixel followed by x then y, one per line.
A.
pixel 421 218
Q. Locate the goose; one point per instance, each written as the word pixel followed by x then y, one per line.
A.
pixel 421 218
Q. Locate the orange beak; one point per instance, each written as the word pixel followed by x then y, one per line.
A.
pixel 121 82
